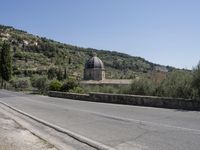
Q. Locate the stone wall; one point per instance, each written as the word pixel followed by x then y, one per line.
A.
pixel 84 97
pixel 151 101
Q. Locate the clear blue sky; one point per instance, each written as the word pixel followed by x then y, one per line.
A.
pixel 162 31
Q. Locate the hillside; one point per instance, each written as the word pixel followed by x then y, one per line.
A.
pixel 33 54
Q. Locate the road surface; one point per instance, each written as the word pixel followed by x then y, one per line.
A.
pixel 122 127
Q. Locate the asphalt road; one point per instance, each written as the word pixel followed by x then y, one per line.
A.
pixel 119 126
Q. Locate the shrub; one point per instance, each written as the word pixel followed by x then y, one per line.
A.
pixel 108 89
pixel 141 86
pixel 177 84
pixel 20 83
pixel 40 82
pixel 55 85
pixel 69 85
pixel 196 79
pixel 77 89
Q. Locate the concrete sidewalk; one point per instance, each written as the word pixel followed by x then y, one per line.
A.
pixel 15 137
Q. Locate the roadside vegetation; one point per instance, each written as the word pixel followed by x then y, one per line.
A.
pixel 178 83
pixel 31 63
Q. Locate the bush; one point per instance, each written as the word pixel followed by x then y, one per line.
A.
pixel 55 85
pixel 108 89
pixel 196 80
pixel 69 85
pixel 141 86
pixel 40 82
pixel 177 84
pixel 21 83
pixel 77 89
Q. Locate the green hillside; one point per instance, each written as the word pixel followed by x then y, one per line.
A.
pixel 36 55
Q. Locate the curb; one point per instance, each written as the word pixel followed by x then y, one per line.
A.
pixel 76 136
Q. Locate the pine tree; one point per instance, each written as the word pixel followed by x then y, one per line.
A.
pixel 5 63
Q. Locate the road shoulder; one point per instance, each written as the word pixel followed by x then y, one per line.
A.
pixel 14 136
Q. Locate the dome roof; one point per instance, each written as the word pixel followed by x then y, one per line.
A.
pixel 94 62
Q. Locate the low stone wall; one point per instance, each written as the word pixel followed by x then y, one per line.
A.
pixel 84 97
pixel 151 101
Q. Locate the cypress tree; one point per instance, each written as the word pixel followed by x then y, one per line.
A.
pixel 65 74
pixel 59 74
pixel 0 60
pixel 5 63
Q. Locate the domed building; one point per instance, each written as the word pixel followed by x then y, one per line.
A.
pixel 94 69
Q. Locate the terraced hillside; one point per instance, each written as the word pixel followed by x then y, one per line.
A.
pixel 33 54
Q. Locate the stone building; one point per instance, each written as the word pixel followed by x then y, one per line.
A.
pixel 94 69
